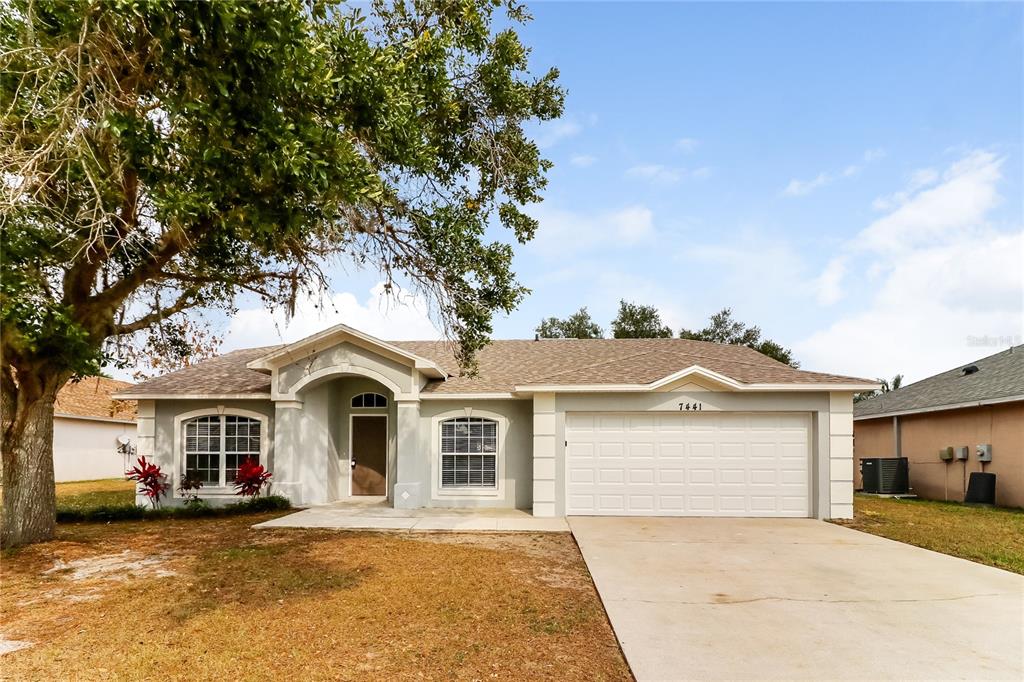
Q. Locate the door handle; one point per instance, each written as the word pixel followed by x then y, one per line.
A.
pixel 353 462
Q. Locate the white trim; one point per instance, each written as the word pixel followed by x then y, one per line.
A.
pixel 179 446
pixel 387 450
pixel 106 420
pixel 337 370
pixel 309 345
pixel 939 408
pixel 192 396
pixel 439 493
pixel 387 401
pixel 472 396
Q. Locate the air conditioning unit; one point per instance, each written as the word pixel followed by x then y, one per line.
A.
pixel 885 475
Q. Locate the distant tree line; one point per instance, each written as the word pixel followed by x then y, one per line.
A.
pixel 636 321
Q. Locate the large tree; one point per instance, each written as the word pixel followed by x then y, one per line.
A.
pixel 722 328
pixel 163 156
pixel 635 321
pixel 579 325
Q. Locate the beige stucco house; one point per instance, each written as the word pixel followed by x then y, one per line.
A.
pixel 981 403
pixel 561 427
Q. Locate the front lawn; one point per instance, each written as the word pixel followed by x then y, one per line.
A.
pixel 993 536
pixel 84 495
pixel 213 598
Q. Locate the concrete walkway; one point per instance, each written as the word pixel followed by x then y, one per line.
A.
pixel 379 516
pixel 759 599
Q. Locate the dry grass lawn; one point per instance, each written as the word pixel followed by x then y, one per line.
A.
pixel 215 599
pixel 104 492
pixel 992 536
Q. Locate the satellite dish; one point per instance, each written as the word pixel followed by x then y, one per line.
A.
pixel 123 440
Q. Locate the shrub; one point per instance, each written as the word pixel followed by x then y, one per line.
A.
pixel 202 509
pixel 151 480
pixel 251 478
pixel 189 489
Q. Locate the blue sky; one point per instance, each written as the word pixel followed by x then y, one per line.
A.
pixel 846 176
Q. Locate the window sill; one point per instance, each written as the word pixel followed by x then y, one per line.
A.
pixel 468 492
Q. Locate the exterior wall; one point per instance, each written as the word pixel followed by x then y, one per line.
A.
pixel 831 484
pixel 158 418
pixel 86 449
pixel 516 487
pixel 344 356
pixel 341 411
pixel 923 435
pixel 872 438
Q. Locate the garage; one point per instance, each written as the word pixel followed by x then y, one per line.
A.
pixel 688 464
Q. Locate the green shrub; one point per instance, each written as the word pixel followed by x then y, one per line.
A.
pixel 131 512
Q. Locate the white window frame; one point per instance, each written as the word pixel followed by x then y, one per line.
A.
pixel 226 490
pixel 386 405
pixel 470 493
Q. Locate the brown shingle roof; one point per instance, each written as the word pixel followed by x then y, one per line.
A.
pixel 502 365
pixel 91 397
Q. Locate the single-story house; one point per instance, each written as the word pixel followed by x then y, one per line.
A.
pixel 981 403
pixel 92 430
pixel 666 427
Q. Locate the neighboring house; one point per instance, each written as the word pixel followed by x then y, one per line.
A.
pixel 979 403
pixel 87 423
pixel 667 427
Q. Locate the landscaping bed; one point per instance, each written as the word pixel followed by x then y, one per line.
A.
pixel 988 535
pixel 213 598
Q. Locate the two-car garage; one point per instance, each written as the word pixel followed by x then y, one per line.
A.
pixel 688 464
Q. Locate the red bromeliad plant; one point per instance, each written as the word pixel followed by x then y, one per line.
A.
pixel 152 482
pixel 251 478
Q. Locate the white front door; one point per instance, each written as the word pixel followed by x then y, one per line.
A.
pixel 687 464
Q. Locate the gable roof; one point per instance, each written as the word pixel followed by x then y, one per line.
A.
pixel 506 367
pixel 1000 378
pixel 92 397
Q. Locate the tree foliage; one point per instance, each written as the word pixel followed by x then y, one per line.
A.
pixel 579 325
pixel 164 156
pixel 722 328
pixel 888 385
pixel 635 321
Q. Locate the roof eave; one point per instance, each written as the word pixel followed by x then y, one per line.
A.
pixel 939 408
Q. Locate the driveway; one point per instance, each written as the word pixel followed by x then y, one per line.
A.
pixel 797 599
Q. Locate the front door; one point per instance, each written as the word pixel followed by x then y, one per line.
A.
pixel 369 454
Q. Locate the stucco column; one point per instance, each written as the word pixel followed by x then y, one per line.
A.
pixel 413 462
pixel 840 452
pixel 544 454
pixel 145 444
pixel 287 425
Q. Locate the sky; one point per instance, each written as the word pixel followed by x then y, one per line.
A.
pixel 848 177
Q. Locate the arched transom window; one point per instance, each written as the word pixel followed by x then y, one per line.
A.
pixel 369 400
pixel 216 445
pixel 469 453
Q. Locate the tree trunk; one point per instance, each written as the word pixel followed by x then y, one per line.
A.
pixel 29 500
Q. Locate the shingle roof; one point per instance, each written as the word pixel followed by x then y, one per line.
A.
pixel 999 376
pixel 91 397
pixel 502 365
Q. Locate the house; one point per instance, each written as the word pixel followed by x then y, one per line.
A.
pixel 87 423
pixel 981 403
pixel 600 426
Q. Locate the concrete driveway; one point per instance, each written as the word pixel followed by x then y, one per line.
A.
pixel 797 599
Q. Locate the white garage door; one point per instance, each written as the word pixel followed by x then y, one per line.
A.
pixel 680 464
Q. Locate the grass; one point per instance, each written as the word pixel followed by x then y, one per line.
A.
pixel 213 598
pixel 987 535
pixel 83 495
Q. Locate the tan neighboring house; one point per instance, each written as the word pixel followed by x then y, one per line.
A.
pixel 979 403
pixel 87 424
pixel 561 427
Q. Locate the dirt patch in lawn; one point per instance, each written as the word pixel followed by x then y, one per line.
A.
pixel 988 535
pixel 232 602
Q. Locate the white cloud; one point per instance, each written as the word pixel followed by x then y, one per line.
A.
pixel 582 160
pixel 656 173
pixel 563 232
pixel 554 132
pixel 401 317
pixel 921 177
pixel 934 275
pixel 687 144
pixel 799 188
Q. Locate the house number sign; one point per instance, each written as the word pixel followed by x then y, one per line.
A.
pixel 691 407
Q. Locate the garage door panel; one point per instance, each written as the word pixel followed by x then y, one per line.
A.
pixel 720 464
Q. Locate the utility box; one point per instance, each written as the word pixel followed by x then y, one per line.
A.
pixel 885 475
pixel 946 454
pixel 985 452
pixel 960 453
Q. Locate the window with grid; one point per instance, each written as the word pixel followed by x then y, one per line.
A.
pixel 215 446
pixel 469 453
pixel 369 400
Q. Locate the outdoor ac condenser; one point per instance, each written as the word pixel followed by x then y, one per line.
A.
pixel 885 475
